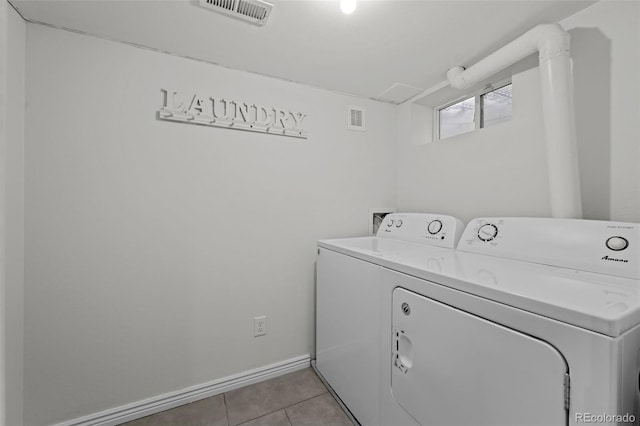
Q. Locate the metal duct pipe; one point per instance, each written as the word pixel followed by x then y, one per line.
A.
pixel 552 43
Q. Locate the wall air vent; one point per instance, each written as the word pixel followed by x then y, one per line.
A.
pixel 355 118
pixel 253 11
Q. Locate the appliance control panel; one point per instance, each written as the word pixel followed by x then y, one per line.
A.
pixel 589 245
pixel 431 229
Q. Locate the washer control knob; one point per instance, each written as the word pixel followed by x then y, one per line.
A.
pixel 390 223
pixel 617 243
pixel 398 223
pixel 487 232
pixel 434 227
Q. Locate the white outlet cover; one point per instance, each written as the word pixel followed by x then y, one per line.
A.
pixel 259 326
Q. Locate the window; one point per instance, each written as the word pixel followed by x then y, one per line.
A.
pixel 497 106
pixel 488 107
pixel 457 118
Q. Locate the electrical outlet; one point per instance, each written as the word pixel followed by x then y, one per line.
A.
pixel 259 326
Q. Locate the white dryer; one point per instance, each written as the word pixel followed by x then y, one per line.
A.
pixel 349 300
pixel 537 323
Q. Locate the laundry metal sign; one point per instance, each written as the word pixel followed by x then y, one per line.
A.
pixel 231 114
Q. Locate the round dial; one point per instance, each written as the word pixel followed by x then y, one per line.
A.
pixel 617 243
pixel 487 232
pixel 398 223
pixel 390 223
pixel 434 227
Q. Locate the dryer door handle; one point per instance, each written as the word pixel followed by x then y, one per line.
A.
pixel 403 351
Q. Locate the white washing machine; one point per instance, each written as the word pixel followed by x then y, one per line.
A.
pixel 528 322
pixel 537 323
pixel 349 300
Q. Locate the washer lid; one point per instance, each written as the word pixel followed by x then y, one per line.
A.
pixel 394 254
pixel 601 303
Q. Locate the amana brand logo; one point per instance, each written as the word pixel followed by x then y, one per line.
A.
pixel 613 259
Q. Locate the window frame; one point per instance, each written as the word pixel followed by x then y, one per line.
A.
pixel 478 114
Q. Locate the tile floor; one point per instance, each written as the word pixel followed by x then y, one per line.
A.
pixel 293 399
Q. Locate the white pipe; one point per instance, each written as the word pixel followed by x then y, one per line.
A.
pixel 552 43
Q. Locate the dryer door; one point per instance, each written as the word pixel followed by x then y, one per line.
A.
pixel 454 368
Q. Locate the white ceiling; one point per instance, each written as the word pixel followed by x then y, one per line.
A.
pixel 312 42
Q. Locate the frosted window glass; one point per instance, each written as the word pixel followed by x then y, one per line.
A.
pixel 457 118
pixel 497 106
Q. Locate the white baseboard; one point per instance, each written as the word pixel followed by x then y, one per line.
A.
pixel 146 407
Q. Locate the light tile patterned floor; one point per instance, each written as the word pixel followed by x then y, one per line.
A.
pixel 293 399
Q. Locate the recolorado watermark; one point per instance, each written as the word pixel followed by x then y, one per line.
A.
pixel 605 418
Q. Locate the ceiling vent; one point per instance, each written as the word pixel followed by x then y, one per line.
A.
pixel 398 93
pixel 253 11
pixel 355 118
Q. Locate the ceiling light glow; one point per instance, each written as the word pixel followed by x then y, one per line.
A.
pixel 347 6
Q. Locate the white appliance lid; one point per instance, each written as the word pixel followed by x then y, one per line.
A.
pixel 601 303
pixel 393 253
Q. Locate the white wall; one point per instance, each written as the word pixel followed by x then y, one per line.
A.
pixel 151 245
pixel 605 42
pixel 501 170
pixel 12 168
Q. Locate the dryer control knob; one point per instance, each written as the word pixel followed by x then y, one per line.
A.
pixel 434 227
pixel 617 243
pixel 487 232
